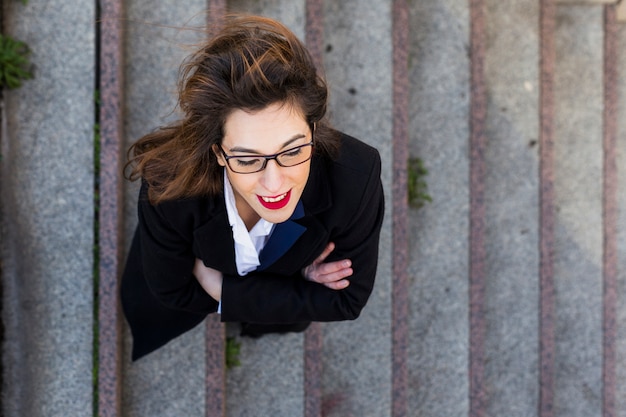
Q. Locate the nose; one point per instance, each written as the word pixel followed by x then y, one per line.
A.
pixel 272 178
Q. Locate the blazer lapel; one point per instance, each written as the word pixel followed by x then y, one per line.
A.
pixel 283 237
pixel 304 249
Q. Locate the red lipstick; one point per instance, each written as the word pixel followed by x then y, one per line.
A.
pixel 275 203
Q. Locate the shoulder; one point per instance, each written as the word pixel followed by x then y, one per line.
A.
pixel 355 155
pixel 356 168
pixel 342 186
pixel 355 163
pixel 181 214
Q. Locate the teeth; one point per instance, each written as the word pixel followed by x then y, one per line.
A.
pixel 274 199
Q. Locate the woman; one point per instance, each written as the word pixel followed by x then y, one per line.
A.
pixel 251 206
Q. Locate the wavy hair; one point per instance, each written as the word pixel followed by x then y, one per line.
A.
pixel 251 63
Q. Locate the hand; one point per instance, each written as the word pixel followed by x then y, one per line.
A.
pixel 329 274
pixel 210 279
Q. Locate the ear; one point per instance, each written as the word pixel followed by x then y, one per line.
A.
pixel 218 155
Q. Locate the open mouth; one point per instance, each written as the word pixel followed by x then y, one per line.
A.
pixel 275 202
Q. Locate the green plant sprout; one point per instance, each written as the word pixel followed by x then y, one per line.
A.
pixel 233 347
pixel 14 64
pixel 418 189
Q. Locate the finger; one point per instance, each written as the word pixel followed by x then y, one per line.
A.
pixel 338 285
pixel 327 251
pixel 331 267
pixel 333 276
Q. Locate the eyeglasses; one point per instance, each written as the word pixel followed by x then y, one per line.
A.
pixel 255 163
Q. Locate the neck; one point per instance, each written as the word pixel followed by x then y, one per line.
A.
pixel 249 216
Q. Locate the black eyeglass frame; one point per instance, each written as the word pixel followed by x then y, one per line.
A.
pixel 266 158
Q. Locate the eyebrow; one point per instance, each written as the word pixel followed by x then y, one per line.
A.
pixel 253 151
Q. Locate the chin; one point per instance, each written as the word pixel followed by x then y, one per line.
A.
pixel 277 216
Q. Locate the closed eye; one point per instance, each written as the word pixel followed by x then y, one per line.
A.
pixel 293 152
pixel 246 162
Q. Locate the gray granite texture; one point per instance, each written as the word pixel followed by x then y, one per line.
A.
pixel 439 232
pixel 578 228
pixel 512 207
pixel 357 355
pixel 47 213
pixel 269 380
pixel 290 13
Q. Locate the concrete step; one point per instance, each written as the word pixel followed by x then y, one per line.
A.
pixel 503 296
pixel 46 238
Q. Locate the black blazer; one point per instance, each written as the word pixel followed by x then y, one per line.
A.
pixel 342 202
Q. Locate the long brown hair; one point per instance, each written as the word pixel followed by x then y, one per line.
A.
pixel 251 63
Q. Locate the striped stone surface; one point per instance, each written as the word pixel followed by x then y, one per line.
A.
pixel 439 76
pixel 503 296
pixel 512 224
pixel 47 213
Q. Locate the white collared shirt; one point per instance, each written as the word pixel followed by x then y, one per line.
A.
pixel 248 245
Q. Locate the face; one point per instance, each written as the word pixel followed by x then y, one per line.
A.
pixel 273 193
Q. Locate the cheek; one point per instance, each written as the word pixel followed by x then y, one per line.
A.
pixel 243 183
pixel 302 175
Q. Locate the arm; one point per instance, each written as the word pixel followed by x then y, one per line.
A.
pixel 263 298
pixel 168 262
pixel 329 274
pixel 181 281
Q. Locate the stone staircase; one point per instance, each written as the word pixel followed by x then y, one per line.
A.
pixel 504 296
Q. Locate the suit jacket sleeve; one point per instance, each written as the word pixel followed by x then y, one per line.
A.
pixel 168 261
pixel 263 298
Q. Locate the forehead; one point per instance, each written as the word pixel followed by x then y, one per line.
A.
pixel 265 129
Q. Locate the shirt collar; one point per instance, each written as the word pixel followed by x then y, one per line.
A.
pixel 261 228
